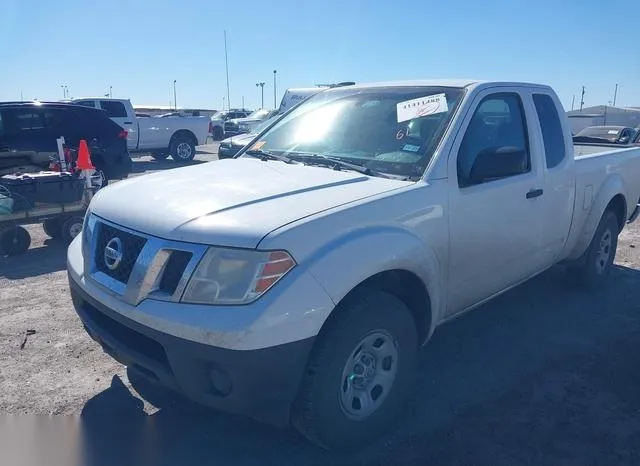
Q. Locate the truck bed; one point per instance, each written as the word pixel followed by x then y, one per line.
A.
pixel 591 160
pixel 585 149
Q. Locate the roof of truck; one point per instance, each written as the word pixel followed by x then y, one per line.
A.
pixel 445 83
pixel 38 103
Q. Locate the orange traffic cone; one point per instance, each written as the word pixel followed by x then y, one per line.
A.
pixel 84 159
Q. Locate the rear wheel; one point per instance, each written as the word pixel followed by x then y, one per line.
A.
pixel 14 240
pixel 53 227
pixel 182 149
pixel 71 228
pixel 598 260
pixel 359 373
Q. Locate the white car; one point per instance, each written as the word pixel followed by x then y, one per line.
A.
pixel 175 136
pixel 297 281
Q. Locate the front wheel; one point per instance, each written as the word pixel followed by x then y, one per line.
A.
pixel 359 373
pixel 598 260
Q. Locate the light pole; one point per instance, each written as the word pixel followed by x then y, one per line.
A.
pixel 110 92
pixel 175 102
pixel 274 89
pixel 615 95
pixel 261 86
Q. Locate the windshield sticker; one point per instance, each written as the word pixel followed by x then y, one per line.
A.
pixel 410 148
pixel 613 131
pixel 258 145
pixel 422 106
pixel 400 134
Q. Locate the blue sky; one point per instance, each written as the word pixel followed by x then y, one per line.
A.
pixel 140 46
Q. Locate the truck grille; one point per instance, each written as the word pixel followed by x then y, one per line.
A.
pixel 230 127
pixel 138 266
pixel 173 271
pixel 131 245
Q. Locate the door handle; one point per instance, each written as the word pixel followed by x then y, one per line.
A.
pixel 128 123
pixel 534 193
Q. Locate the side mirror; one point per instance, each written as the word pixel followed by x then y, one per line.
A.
pixel 624 140
pixel 498 162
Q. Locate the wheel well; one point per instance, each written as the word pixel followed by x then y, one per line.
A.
pixel 184 133
pixel 618 206
pixel 407 287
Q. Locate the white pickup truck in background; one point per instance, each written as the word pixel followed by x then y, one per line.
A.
pixel 161 136
pixel 296 282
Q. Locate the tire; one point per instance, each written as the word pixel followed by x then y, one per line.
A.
pixel 218 134
pixel 53 227
pixel 182 149
pixel 71 228
pixel 160 156
pixel 598 259
pixel 14 240
pixel 328 410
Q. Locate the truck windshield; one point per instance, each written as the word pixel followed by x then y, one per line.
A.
pixel 392 130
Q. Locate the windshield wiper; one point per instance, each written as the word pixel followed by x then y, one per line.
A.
pixel 336 164
pixel 264 156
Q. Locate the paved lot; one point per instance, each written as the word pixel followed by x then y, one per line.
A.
pixel 546 374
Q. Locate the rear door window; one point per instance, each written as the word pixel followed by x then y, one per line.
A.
pixel 114 109
pixel 87 103
pixel 552 135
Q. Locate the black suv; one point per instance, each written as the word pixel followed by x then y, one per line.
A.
pixel 28 133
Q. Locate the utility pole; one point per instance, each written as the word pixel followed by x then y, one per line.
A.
pixel 261 86
pixel 582 99
pixel 175 101
pixel 274 89
pixel 615 95
pixel 226 62
pixel 573 100
pixel 110 92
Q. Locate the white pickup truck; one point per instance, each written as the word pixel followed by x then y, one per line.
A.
pixel 175 136
pixel 296 282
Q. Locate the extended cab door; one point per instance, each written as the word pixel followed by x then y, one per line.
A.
pixel 556 145
pixel 124 117
pixel 494 223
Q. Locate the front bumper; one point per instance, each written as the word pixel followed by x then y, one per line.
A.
pixel 259 383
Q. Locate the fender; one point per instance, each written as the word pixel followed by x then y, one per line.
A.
pixel 348 260
pixel 582 235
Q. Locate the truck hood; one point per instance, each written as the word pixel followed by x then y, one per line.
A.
pixel 234 202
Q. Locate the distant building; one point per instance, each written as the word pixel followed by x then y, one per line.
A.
pixel 601 115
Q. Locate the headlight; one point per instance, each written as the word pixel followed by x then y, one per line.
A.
pixel 88 228
pixel 236 276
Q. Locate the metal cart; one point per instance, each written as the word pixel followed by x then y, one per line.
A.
pixel 59 221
